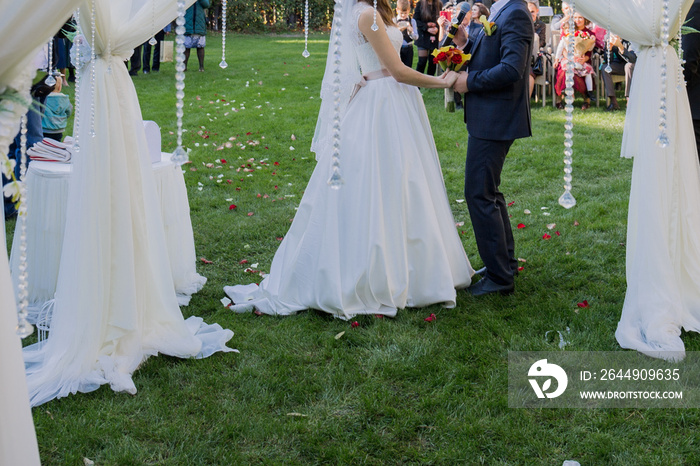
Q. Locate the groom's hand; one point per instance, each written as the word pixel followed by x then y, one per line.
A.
pixel 461 83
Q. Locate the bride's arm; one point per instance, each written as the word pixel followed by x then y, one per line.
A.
pixel 391 60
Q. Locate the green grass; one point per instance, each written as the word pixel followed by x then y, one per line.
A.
pixel 392 390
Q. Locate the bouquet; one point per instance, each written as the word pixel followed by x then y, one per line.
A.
pixel 450 59
pixel 584 42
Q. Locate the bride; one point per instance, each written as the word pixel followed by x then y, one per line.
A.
pixel 386 239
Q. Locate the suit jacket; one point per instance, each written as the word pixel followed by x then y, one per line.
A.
pixel 691 54
pixel 497 106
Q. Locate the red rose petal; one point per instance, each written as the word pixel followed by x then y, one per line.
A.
pixel 250 214
pixel 223 161
pixel 558 234
pixel 521 268
pixel 280 238
pixel 521 226
pixel 355 324
pixel 244 261
pixel 430 318
pixel 257 313
pixel 276 163
pixel 205 261
pixel 510 204
pixel 583 304
pixel 232 206
pixel 546 236
pixel 379 316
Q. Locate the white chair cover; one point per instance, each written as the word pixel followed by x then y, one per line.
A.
pixel 663 243
pixel 24 27
pixel 115 301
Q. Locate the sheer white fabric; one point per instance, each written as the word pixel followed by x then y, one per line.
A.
pixel 663 244
pixel 24 27
pixel 115 301
pixel 386 239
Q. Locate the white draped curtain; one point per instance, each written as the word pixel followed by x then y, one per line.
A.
pixel 21 38
pixel 115 301
pixel 663 228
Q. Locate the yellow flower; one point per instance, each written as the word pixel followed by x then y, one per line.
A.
pixel 489 26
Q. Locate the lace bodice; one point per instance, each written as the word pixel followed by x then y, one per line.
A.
pixel 366 57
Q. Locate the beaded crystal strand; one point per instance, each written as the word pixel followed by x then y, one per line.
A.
pixel 223 63
pixel 92 70
pixel 50 80
pixel 76 120
pixel 336 180
pixel 681 60
pixel 152 41
pixel 24 329
pixel 374 24
pixel 567 199
pixel 608 41
pixel 662 140
pixel 180 155
pixel 306 53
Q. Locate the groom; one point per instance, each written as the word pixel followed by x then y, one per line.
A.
pixel 497 112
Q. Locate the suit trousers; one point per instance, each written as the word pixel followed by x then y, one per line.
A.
pixel 622 69
pixel 487 207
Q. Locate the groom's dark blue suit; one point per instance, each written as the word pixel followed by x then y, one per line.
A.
pixel 496 111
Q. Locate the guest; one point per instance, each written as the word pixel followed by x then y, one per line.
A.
pixel 135 61
pixel 622 61
pixel 691 55
pixel 196 31
pixel 540 29
pixel 562 18
pixel 426 15
pixel 583 70
pixel 62 44
pixel 408 28
pixel 57 109
pixel 469 27
pixel 39 91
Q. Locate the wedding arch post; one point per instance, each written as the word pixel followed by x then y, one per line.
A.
pixel 663 250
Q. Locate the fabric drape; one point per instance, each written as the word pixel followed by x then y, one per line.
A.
pixel 21 40
pixel 115 301
pixel 663 240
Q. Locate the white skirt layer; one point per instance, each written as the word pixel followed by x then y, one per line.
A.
pixel 386 239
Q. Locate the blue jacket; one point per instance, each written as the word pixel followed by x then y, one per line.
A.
pixel 497 106
pixel 196 19
pixel 57 109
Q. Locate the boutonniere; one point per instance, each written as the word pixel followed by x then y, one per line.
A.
pixel 489 26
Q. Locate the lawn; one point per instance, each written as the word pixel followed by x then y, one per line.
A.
pixel 390 391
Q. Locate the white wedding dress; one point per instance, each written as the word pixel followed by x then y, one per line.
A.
pixel 386 239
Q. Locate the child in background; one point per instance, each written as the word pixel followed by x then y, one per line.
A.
pixel 57 109
pixel 409 28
